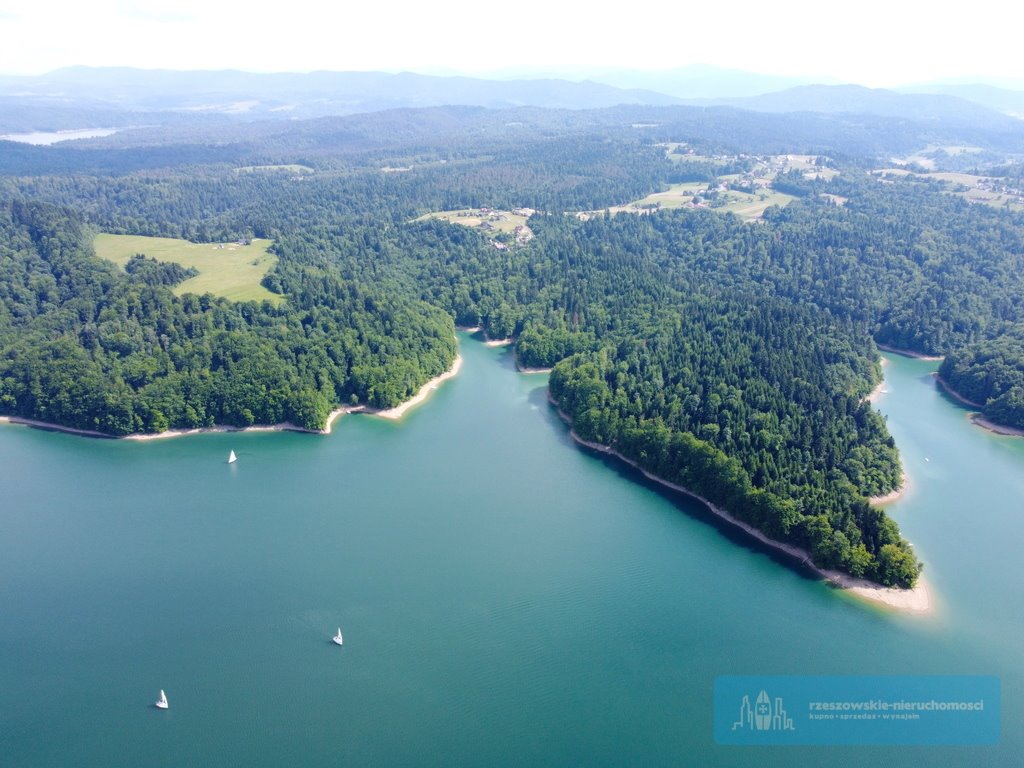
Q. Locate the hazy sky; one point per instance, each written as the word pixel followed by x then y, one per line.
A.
pixel 872 42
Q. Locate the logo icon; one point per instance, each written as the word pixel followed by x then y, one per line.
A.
pixel 763 715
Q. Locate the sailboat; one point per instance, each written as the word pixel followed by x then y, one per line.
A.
pixel 161 703
pixel 337 637
pixel 232 458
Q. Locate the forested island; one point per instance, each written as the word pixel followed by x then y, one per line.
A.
pixel 733 357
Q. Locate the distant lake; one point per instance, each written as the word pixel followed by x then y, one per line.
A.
pixel 45 138
pixel 506 598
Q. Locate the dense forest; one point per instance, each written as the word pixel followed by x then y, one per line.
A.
pixel 87 346
pixel 731 357
pixel 990 374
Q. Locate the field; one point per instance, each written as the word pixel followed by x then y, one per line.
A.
pixel 925 158
pixel 745 205
pixel 676 196
pixel 837 199
pixel 225 269
pixel 297 169
pixel 675 157
pixel 497 221
pixel 992 191
pixel 752 207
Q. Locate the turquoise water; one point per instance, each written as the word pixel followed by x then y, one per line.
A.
pixel 506 598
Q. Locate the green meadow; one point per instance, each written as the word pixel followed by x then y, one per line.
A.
pixel 976 189
pixel 500 221
pixel 743 204
pixel 298 169
pixel 225 269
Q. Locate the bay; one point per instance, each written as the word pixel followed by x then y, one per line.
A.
pixel 506 598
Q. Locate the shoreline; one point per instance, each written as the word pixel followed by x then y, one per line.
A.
pixel 908 353
pixel 389 413
pixel 916 600
pixel 999 429
pixel 945 387
pixel 893 495
pixel 875 394
pixel 284 426
pixel 978 418
pixel 424 392
pixel 50 427
pixel 487 340
pixel 904 486
pixel 524 369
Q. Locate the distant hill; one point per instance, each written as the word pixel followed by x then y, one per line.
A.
pixel 284 95
pixel 1002 99
pixel 82 97
pixel 856 99
pixel 931 118
pixel 694 81
pixel 413 135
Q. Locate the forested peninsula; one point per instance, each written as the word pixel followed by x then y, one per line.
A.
pixel 733 357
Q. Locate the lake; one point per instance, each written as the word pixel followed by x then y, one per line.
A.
pixel 506 598
pixel 45 138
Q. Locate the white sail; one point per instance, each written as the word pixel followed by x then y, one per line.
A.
pixel 232 458
pixel 162 701
pixel 337 638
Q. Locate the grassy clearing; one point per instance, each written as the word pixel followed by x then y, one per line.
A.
pixel 677 158
pixel 745 205
pixel 967 179
pixel 807 164
pixel 892 172
pixel 751 207
pixel 837 199
pixel 977 189
pixel 300 169
pixel 799 162
pixel 498 221
pixel 228 270
pixel 995 199
pixel 676 196
pixel 926 158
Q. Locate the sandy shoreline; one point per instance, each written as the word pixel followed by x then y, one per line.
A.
pixel 999 429
pixel 52 427
pixel 877 393
pixel 904 487
pixel 916 600
pixel 399 410
pixel 390 413
pixel 978 419
pixel 880 389
pixel 908 353
pixel 954 394
pixel 284 426
pixel 523 369
pixel 488 341
pixel 893 495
